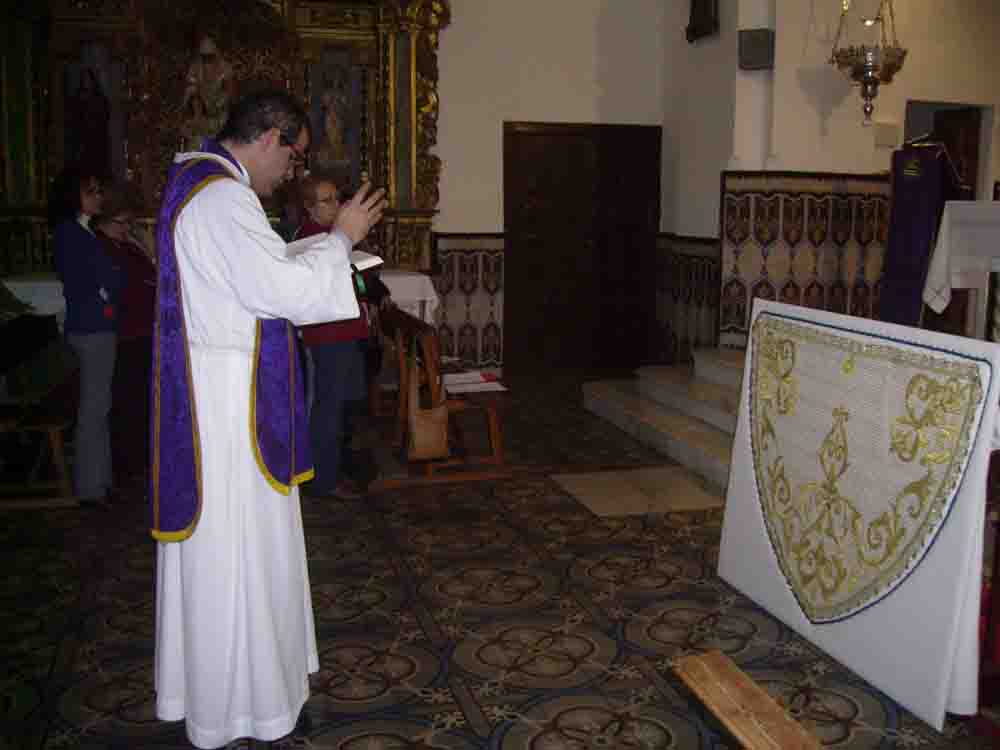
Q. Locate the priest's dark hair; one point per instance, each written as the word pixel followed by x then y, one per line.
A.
pixel 254 114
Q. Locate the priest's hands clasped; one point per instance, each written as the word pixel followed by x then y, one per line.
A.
pixel 361 213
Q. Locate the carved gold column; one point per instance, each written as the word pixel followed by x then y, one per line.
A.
pixel 23 83
pixel 408 34
pixel 395 42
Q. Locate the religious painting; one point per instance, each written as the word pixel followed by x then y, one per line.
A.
pixel 337 88
pixel 206 55
pixel 120 87
pixel 209 87
pixel 94 127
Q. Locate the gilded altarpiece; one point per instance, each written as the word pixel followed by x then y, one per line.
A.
pixel 128 83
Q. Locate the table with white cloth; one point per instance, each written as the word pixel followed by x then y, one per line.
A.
pixel 412 292
pixel 43 291
pixel 967 250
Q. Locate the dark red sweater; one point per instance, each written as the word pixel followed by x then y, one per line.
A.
pixel 355 329
pixel 138 298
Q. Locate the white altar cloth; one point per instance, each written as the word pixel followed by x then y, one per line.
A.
pixel 42 291
pixel 968 242
pixel 412 292
pixel 914 634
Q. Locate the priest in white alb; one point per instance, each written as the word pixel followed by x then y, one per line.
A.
pixel 235 639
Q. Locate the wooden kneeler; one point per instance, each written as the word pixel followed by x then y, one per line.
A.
pixel 743 706
pixel 415 338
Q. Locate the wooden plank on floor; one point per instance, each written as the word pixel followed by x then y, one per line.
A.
pixel 743 706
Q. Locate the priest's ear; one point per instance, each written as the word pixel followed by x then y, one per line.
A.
pixel 271 138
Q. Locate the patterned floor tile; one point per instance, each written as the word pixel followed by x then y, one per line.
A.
pixel 487 616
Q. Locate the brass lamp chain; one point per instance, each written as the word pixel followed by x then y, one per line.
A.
pixel 892 22
pixel 845 6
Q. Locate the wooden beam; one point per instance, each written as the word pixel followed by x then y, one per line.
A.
pixel 743 706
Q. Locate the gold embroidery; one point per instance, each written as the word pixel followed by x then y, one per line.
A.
pixel 838 551
pixel 912 168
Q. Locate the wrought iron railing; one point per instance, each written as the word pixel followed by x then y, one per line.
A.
pixel 25 244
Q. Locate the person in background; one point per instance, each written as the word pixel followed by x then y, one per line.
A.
pixel 92 281
pixel 130 386
pixel 338 352
pixel 288 199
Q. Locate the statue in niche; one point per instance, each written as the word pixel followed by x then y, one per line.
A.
pixel 207 94
pixel 331 150
pixel 89 114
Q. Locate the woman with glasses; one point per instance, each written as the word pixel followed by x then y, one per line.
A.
pixel 92 281
pixel 340 355
pixel 130 386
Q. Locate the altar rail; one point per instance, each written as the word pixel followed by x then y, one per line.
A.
pixel 469 277
pixel 806 238
pixel 25 244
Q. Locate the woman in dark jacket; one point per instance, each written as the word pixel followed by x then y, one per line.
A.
pixel 91 284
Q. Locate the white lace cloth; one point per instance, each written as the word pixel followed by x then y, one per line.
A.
pixel 42 291
pixel 968 240
pixel 413 292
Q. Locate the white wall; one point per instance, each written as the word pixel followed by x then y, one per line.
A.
pixel 817 115
pixel 626 61
pixel 580 61
pixel 699 82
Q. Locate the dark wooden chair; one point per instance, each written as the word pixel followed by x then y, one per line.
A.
pixel 39 402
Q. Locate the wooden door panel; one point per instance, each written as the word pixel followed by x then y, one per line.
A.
pixel 630 217
pixel 581 212
pixel 958 130
pixel 549 202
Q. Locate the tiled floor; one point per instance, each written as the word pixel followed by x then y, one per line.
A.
pixel 500 615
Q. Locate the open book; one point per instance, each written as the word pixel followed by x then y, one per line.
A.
pixel 359 258
pixel 363 261
pixel 471 381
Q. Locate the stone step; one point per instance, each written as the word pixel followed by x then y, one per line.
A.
pixel 702 448
pixel 677 387
pixel 720 365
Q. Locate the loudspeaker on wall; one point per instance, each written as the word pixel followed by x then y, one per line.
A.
pixel 756 49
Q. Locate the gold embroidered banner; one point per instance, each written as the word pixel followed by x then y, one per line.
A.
pixel 859 444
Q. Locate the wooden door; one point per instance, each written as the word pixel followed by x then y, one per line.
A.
pixel 958 130
pixel 581 213
pixel 628 220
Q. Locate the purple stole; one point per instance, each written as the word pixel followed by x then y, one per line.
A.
pixel 277 413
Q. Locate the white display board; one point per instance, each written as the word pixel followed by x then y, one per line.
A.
pixel 856 498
